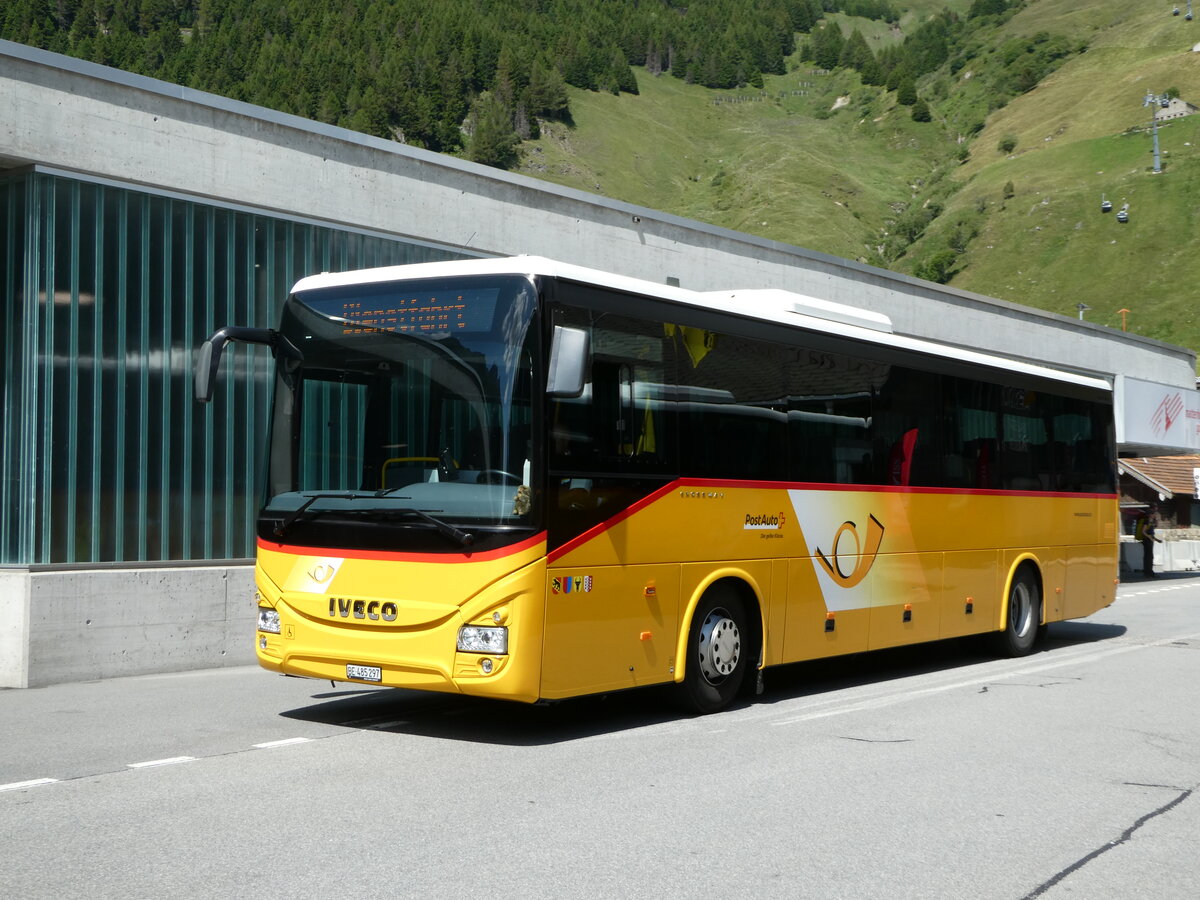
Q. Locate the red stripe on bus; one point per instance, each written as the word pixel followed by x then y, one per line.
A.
pixel 883 488
pixel 597 530
pixel 392 556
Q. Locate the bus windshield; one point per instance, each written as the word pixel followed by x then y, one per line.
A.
pixel 403 409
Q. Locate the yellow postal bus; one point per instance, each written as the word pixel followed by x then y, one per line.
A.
pixel 521 479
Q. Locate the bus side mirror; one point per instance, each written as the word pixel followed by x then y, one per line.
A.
pixel 209 359
pixel 570 355
pixel 205 378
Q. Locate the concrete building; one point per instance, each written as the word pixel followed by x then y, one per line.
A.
pixel 136 216
pixel 1175 109
pixel 1168 484
pixel 1168 489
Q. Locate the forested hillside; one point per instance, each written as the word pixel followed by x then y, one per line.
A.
pixel 472 76
pixel 428 73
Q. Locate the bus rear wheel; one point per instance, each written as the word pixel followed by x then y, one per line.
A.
pixel 1022 625
pixel 717 657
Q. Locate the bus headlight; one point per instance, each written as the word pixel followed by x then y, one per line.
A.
pixel 268 620
pixel 482 639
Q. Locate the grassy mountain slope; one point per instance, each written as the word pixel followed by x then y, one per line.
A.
pixel 1081 134
pixel 794 169
pixel 779 167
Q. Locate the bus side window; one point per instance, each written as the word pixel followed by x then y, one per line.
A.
pixel 906 429
pixel 620 422
pixel 1026 464
pixel 732 406
pixel 1086 431
pixel 830 397
pixel 610 431
pixel 972 430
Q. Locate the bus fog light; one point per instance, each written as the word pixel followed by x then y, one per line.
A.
pixel 482 639
pixel 262 642
pixel 485 666
pixel 268 620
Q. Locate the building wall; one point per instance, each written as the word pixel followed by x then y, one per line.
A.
pixel 105 293
pixel 109 294
pixel 1176 109
pixel 78 624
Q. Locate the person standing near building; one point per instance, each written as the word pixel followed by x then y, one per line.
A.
pixel 1145 532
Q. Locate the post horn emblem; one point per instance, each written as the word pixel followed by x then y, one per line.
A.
pixel 321 573
pixel 863 554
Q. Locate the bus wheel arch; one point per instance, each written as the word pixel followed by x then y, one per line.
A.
pixel 1023 610
pixel 721 644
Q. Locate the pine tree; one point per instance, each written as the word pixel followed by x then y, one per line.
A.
pixel 871 73
pixel 855 52
pixel 371 114
pixel 827 43
pixel 622 74
pixel 547 92
pixel 492 141
pixel 897 75
pixel 987 8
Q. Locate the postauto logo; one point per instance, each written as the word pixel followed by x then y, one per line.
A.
pixel 764 522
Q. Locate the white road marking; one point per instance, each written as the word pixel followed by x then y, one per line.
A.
pixel 876 695
pixel 283 743
pixel 174 760
pixel 892 699
pixel 1157 589
pixel 19 785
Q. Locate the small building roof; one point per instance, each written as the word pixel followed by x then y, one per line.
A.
pixel 1169 475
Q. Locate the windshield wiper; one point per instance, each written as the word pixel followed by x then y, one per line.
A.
pixel 460 537
pixel 296 513
pixel 444 528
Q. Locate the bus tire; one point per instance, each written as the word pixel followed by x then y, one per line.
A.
pixel 717 652
pixel 1022 624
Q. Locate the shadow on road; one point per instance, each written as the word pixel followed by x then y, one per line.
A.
pixel 457 718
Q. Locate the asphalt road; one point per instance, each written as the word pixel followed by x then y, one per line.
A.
pixel 925 772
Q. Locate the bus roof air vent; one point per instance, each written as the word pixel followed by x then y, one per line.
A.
pixel 780 305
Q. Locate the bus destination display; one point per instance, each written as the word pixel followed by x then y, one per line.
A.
pixel 428 314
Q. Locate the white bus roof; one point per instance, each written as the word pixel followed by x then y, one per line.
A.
pixel 768 305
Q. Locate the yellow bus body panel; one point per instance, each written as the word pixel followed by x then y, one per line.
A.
pixel 941 569
pixel 332 615
pixel 832 570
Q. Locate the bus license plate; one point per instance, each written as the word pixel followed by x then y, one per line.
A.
pixel 364 673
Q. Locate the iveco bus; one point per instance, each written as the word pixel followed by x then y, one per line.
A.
pixel 521 479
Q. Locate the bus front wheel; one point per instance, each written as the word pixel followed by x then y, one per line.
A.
pixel 1023 622
pixel 717 646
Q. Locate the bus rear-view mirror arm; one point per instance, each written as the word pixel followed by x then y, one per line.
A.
pixel 570 357
pixel 209 359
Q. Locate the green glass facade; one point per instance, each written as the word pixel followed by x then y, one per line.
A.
pixel 107 293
